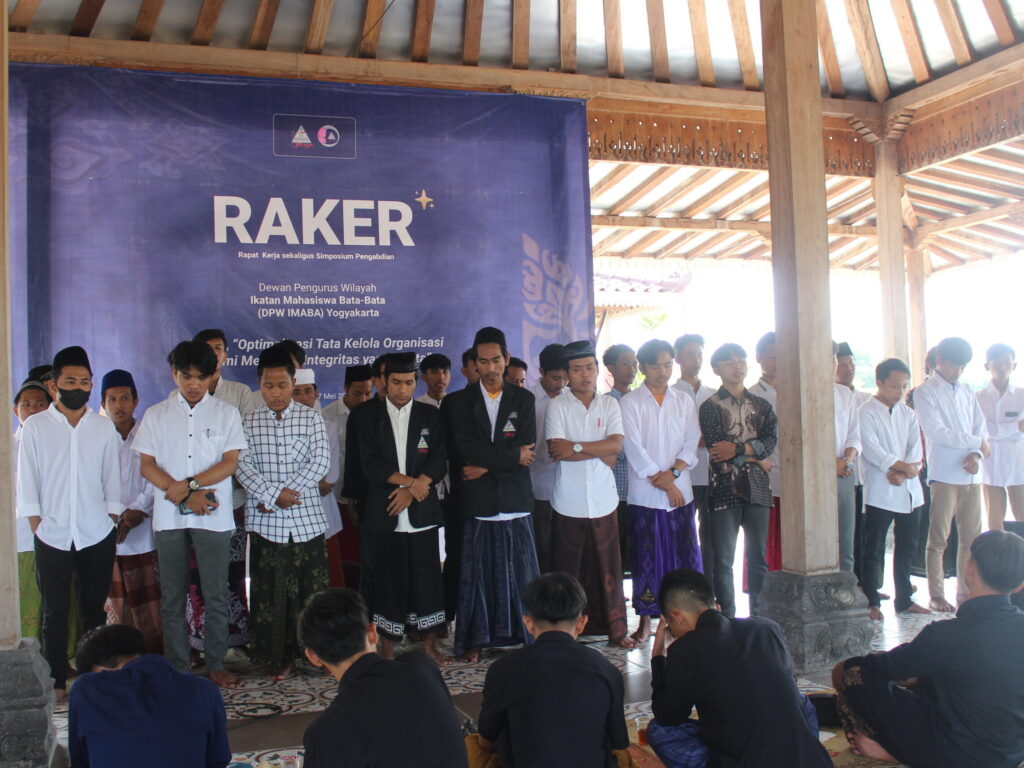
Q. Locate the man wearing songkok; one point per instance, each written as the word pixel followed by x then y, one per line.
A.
pixel 661 436
pixel 739 431
pixel 620 361
pixel 387 714
pixel 1002 404
pixel 495 430
pixel 765 388
pixel 846 369
pixel 69 488
pixel 738 674
pixel 952 697
pixel 956 441
pixel 584 437
pixel 189 446
pixel 516 372
pixel 550 385
pixel 847 448
pixel 288 454
pixel 891 440
pixel 529 692
pixel 436 370
pixel 401 446
pixel 135 587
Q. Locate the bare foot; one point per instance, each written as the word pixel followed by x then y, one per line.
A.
pixel 915 608
pixel 472 656
pixel 282 672
pixel 623 642
pixel 387 648
pixel 868 747
pixel 441 659
pixel 875 612
pixel 60 693
pixel 224 679
pixel 883 596
pixel 942 605
pixel 643 632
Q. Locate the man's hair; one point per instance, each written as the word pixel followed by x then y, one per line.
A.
pixel 107 645
pixel 333 624
pixel 999 556
pixel 613 353
pixel 998 350
pixel 209 334
pixel 650 350
pixel 768 340
pixel 469 356
pixel 554 598
pixel 275 357
pixel 35 386
pixel 293 348
pixel 727 351
pixel 517 362
pixel 379 365
pixel 552 358
pixel 193 354
pixel 954 349
pixel 435 362
pixel 892 365
pixel 686 339
pixel 929 359
pixel 685 590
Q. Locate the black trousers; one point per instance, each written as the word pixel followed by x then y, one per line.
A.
pixel 876 527
pixel 858 534
pixel 543 514
pixel 452 570
pixel 93 568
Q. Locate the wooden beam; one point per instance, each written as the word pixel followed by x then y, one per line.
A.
pixel 262 24
pixel 706 248
pixel 472 30
pixel 1001 23
pixel 891 261
pixel 659 41
pixel 849 254
pixel 645 188
pixel 945 191
pixel 603 247
pixel 967 182
pixel 423 25
pixel 520 34
pixel 1000 234
pixel 672 246
pixel 721 191
pixel 613 38
pixel 965 242
pixel 1000 211
pixel 954 27
pixel 1001 156
pixel 975 169
pixel 567 35
pixel 674 196
pixel 613 177
pixel 641 245
pixel 866 42
pixel 206 22
pixel 373 18
pixel 935 203
pixel 827 46
pixel 915 301
pixel 739 249
pixel 851 204
pixel 950 258
pixel 911 35
pixel 701 43
pixel 739 204
pixel 713 225
pixel 85 17
pixel 22 15
pixel 744 46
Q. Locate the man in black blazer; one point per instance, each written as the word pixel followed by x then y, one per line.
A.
pixel 494 429
pixel 402 455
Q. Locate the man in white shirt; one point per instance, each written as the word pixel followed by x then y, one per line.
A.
pixel 584 437
pixel 551 384
pixel 307 393
pixel 287 456
pixel 955 439
pixel 846 369
pixel 620 360
pixel 661 436
pixel 766 389
pixel 847 451
pixel 135 589
pixel 1002 404
pixel 690 358
pixel 436 372
pixel 69 489
pixel 189 446
pixel 891 443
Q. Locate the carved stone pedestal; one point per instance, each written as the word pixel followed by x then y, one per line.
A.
pixel 27 736
pixel 823 616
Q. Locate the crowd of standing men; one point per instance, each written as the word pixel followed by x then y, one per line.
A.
pixel 150 522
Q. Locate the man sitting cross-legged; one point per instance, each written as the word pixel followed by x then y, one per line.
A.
pixel 963 704
pixel 739 675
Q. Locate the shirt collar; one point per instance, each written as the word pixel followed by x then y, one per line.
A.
pixel 56 413
pixel 712 618
pixel 1010 389
pixel 985 604
pixel 487 395
pixel 765 385
pixel 395 410
pixel 724 393
pixel 184 403
pixel 555 636
pixel 361 666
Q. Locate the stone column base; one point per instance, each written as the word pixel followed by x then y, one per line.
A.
pixel 27 735
pixel 824 617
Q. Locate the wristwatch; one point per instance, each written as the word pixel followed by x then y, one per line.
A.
pixel 577 448
pixel 193 484
pixel 676 472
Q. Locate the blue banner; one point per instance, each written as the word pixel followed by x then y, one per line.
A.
pixel 357 220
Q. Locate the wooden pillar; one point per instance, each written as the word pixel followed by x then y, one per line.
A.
pixel 919 339
pixel 800 268
pixel 891 263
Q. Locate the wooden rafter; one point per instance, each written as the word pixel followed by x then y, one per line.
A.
pixel 684 188
pixel 423 25
pixel 146 19
pixel 319 21
pixel 521 34
pixel 613 177
pixel 1003 157
pixel 968 182
pixel 720 192
pixel 262 24
pixel 945 255
pixel 851 204
pixel 744 45
pixel 701 42
pixel 613 38
pixel 973 169
pixel 954 245
pixel 85 17
pixel 911 35
pixel 739 204
pixel 603 247
pixel 643 189
pixel 937 203
pixel 22 14
pixel 827 46
pixel 472 29
pixel 713 225
pixel 999 234
pixel 739 248
pixel 761 252
pixel 659 40
pixel 849 254
pixel 954 27
pixel 977 217
pixel 567 34
pixel 672 246
pixel 1000 22
pixel 946 191
pixel 373 18
pixel 979 244
pixel 206 22
pixel 864 39
pixel 642 244
pixel 712 244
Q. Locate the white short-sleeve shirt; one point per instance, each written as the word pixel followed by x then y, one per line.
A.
pixel 1003 412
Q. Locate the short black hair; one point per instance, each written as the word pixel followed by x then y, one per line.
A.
pixel 685 590
pixel 554 598
pixel 552 358
pixel 469 356
pixel 768 340
pixel 929 358
pixel 999 556
pixel 193 354
pixel 106 646
pixel 726 351
pixel 892 365
pixel 333 624
pixel 686 339
pixel 954 349
pixel 294 349
pixel 650 351
pixel 209 334
pixel 377 367
pixel 613 353
pixel 275 357
pixel 435 362
pixel 517 362
pixel 998 350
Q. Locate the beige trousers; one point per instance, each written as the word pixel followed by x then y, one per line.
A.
pixel 951 502
pixel 995 501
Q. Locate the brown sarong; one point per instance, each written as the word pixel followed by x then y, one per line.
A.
pixel 134 597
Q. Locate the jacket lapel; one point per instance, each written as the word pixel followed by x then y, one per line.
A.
pixel 480 414
pixel 387 435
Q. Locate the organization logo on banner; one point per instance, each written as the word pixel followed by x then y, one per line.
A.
pixel 321 136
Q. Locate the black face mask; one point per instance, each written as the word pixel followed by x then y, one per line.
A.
pixel 73 399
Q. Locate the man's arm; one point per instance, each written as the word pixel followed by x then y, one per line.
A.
pixel 873 452
pixel 934 429
pixel 218 752
pixel 309 475
pixel 250 475
pixel 78 750
pixel 492 720
pixel 29 505
pixel 929 653
pixel 615 723
pixel 483 453
pixel 674 684
pixel 691 435
pixel 636 455
pixel 112 475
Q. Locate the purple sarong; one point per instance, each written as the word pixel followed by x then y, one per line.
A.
pixel 663 540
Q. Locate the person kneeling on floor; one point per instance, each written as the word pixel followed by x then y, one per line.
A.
pixel 739 675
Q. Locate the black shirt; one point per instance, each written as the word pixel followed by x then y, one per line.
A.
pixel 739 675
pixel 388 714
pixel 973 666
pixel 554 704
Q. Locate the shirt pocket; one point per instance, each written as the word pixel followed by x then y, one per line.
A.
pixel 209 448
pixel 300 450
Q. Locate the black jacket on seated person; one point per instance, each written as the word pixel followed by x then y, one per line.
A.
pixel 739 675
pixel 424 455
pixel 505 487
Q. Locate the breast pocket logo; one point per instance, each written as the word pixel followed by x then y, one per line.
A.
pixel 422 445
pixel 508 430
pixel 319 136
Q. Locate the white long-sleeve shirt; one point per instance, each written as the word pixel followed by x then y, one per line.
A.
pixel 887 437
pixel 765 390
pixel 953 426
pixel 542 470
pixel 699 474
pixel 847 423
pixel 859 398
pixel 336 416
pixel 70 477
pixel 24 540
pixel 136 493
pixel 655 437
pixel 1003 412
pixel 331 511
